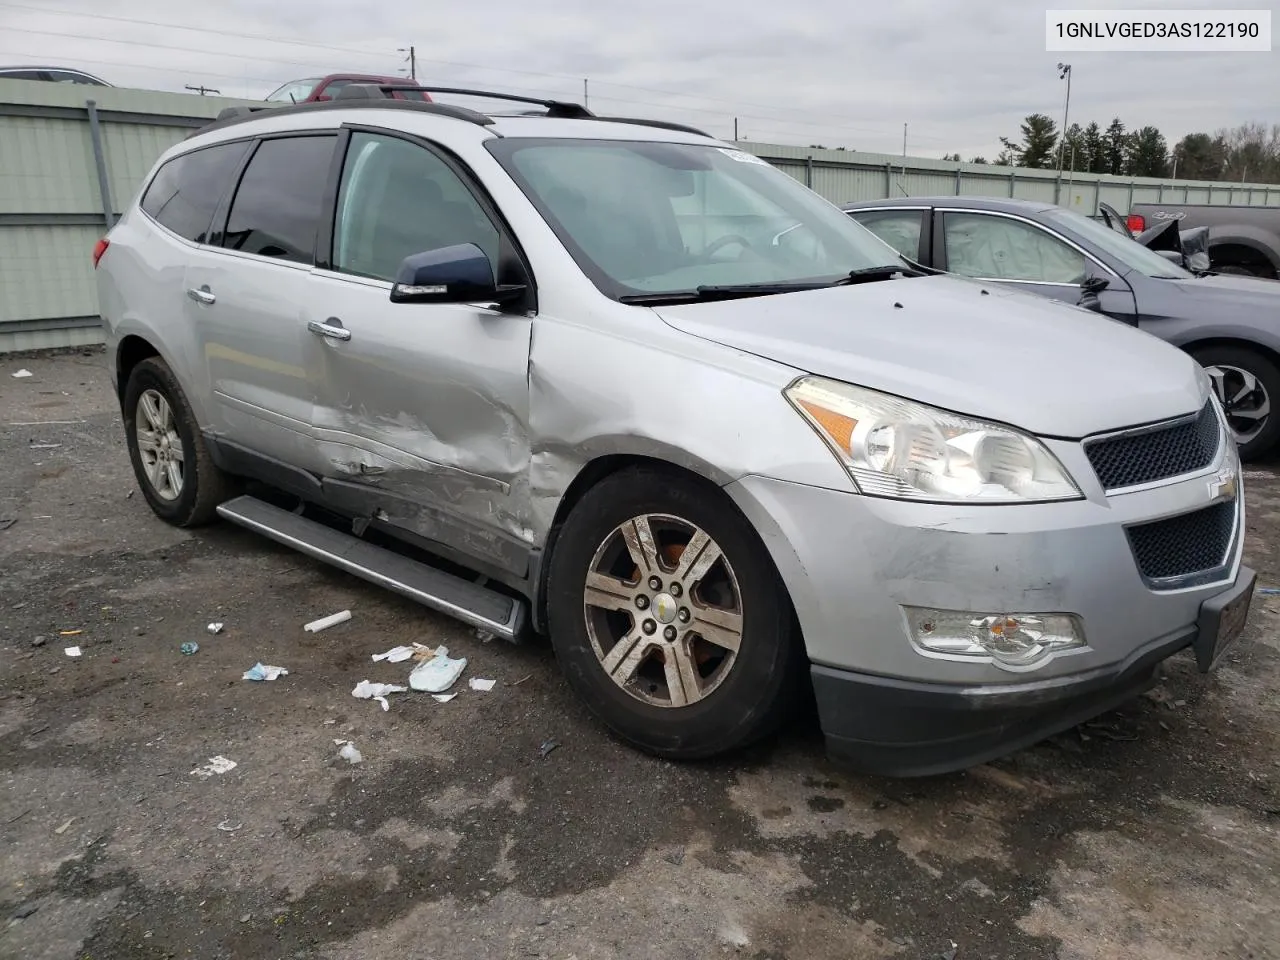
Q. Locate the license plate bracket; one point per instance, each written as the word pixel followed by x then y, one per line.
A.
pixel 1222 620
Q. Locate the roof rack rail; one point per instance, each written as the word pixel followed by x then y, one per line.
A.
pixel 661 124
pixel 234 113
pixel 555 108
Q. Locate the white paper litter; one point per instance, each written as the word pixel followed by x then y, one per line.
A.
pixel 324 623
pixel 349 752
pixel 21 374
pixel 395 654
pixel 437 674
pixel 443 697
pixel 262 671
pixel 479 684
pixel 214 628
pixel 72 651
pixel 215 765
pixel 365 690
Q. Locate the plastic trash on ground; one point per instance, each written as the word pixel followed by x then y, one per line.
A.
pixel 439 673
pixel 21 374
pixel 395 654
pixel 189 648
pixel 480 684
pixel 215 765
pixel 324 623
pixel 215 628
pixel 443 697
pixel 349 752
pixel 72 651
pixel 262 671
pixel 364 690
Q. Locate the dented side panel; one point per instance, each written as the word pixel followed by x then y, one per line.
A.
pixel 425 410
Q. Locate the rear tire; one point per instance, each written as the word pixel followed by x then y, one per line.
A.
pixel 651 653
pixel 170 457
pixel 1246 381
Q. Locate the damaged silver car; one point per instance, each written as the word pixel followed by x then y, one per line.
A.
pixel 619 383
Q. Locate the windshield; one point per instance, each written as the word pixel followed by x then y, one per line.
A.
pixel 645 218
pixel 1129 252
pixel 295 91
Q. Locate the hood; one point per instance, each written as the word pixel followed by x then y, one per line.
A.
pixel 1261 298
pixel 1044 366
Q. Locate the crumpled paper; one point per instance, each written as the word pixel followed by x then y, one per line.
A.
pixel 364 690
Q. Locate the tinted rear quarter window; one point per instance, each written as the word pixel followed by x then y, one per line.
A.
pixel 186 190
pixel 276 209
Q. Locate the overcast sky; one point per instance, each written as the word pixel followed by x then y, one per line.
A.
pixel 961 73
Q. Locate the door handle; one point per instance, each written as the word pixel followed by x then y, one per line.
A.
pixel 331 328
pixel 203 295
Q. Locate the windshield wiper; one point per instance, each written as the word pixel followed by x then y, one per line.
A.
pixel 871 274
pixel 727 291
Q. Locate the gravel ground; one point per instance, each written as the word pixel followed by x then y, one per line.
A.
pixel 1149 835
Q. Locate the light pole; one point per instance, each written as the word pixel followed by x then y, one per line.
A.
pixel 1064 72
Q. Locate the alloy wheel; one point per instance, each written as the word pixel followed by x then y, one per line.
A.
pixel 1244 399
pixel 159 445
pixel 663 610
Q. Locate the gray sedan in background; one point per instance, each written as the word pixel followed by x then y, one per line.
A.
pixel 1230 324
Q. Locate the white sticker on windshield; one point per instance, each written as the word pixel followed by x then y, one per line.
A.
pixel 742 157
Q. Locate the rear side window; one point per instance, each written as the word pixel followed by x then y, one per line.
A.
pixel 277 206
pixel 186 190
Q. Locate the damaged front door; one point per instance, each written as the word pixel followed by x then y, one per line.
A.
pixel 421 409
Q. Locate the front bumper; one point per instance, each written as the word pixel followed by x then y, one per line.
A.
pixel 904 728
pixel 851 563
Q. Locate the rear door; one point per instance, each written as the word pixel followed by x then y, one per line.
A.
pixel 1024 255
pixel 247 298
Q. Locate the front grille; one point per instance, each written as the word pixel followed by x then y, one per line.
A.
pixel 1186 544
pixel 1156 454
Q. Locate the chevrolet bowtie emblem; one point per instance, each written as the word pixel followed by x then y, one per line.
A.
pixel 1224 486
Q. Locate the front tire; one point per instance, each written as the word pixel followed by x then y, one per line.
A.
pixel 1248 385
pixel 669 619
pixel 170 457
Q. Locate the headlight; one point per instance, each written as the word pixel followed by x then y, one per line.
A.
pixel 906 450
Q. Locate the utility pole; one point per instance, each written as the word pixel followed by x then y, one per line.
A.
pixel 202 89
pixel 411 60
pixel 735 129
pixel 904 151
pixel 1064 72
pixel 585 98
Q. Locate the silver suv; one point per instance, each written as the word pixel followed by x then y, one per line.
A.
pixel 620 383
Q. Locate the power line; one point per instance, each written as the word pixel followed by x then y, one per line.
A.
pixel 169 46
pixel 736 104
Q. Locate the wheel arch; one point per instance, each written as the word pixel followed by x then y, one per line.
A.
pixel 1238 343
pixel 130 352
pixel 592 473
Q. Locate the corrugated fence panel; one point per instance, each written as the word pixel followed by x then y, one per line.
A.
pixel 46 166
pixel 47 272
pixel 975 185
pixel 1080 197
pixel 1034 188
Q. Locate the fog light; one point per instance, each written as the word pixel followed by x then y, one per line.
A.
pixel 1014 640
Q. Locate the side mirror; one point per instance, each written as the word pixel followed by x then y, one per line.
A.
pixel 458 274
pixel 1089 291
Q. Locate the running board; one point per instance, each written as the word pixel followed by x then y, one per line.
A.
pixel 478 606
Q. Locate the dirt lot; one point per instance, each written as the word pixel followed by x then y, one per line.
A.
pixel 1152 835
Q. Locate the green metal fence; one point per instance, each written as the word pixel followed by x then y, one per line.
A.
pixel 72 157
